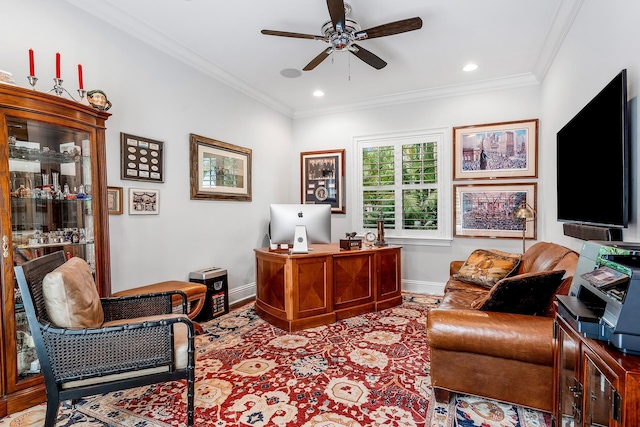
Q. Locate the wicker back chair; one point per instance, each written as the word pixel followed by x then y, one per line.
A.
pixel 83 362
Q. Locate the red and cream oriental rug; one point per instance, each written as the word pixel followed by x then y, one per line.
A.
pixel 369 370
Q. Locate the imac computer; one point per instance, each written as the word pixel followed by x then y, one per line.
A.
pixel 300 225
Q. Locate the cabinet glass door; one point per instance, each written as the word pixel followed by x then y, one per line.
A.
pixel 600 396
pixel 570 389
pixel 51 206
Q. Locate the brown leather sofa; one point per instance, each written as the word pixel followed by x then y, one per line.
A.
pixel 501 356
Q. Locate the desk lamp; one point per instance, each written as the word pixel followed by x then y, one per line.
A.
pixel 524 213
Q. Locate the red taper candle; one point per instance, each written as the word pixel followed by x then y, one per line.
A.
pixel 57 65
pixel 32 68
pixel 80 82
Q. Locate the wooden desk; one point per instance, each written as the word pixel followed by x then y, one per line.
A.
pixel 299 291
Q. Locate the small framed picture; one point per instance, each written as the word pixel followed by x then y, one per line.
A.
pixel 144 201
pixel 322 178
pixel 114 200
pixel 141 159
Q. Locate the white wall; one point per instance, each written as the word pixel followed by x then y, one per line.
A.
pixel 604 39
pixel 157 97
pixel 422 266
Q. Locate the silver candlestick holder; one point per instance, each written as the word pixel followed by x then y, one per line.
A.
pixel 81 93
pixel 59 90
pixel 32 81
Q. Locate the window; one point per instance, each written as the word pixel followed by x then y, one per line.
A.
pixel 401 182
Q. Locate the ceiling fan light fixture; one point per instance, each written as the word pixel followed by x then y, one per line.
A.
pixel 470 67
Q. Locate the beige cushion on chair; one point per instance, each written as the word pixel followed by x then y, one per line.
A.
pixel 71 297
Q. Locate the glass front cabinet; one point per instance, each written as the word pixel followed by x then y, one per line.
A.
pixel 596 384
pixel 53 198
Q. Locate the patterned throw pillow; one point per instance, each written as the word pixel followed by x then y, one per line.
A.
pixel 485 268
pixel 527 293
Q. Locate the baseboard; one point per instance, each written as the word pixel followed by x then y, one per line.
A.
pixel 421 287
pixel 590 232
pixel 242 294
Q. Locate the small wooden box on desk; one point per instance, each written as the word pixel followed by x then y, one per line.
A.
pixel 299 291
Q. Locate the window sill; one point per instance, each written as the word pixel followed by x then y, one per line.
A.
pixel 419 241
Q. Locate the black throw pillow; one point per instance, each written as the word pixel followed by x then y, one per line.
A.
pixel 527 293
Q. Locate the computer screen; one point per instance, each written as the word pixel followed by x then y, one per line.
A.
pixel 285 218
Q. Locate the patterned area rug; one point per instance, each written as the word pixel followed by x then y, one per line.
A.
pixel 369 370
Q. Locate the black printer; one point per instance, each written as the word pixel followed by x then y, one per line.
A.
pixel 604 299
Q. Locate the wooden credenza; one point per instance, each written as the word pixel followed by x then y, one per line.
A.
pixel 596 384
pixel 299 291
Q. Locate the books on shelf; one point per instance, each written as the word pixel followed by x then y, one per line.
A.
pixel 605 278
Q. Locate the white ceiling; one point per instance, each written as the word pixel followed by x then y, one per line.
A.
pixel 512 41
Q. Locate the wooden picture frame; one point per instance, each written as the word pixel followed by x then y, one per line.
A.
pixel 114 200
pixel 505 150
pixel 322 178
pixel 219 171
pixel 141 159
pixel 144 201
pixel 487 210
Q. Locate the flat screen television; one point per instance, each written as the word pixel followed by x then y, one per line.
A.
pixel 285 217
pixel 593 161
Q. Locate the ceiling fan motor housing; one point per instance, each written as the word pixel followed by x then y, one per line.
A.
pixel 340 40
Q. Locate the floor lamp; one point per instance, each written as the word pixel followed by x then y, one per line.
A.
pixel 525 213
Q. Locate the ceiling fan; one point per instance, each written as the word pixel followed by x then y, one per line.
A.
pixel 342 33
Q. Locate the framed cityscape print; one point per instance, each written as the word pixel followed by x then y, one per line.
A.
pixel 141 159
pixel 488 210
pixel 499 150
pixel 219 171
pixel 322 176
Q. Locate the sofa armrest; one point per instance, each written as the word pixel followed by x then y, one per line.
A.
pixel 454 267
pixel 506 335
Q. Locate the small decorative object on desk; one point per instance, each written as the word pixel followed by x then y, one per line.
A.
pixel 350 243
pixel 98 99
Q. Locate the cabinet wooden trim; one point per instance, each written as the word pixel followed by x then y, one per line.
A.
pixel 33 106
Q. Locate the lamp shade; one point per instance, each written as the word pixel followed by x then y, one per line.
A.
pixel 525 212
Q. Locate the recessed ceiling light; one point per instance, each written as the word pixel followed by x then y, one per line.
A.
pixel 470 67
pixel 291 73
pixel 318 93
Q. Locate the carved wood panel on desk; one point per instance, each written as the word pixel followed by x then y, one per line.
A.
pixel 298 291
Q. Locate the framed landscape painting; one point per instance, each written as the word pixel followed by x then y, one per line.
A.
pixel 487 210
pixel 497 150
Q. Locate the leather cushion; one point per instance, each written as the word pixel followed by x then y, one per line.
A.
pixel 523 294
pixel 71 297
pixel 485 268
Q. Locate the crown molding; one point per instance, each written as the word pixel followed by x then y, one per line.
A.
pixel 113 15
pixel 503 83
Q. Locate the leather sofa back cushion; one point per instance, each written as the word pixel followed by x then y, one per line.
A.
pixel 523 294
pixel 485 268
pixel 71 297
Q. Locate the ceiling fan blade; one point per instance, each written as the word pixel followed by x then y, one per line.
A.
pixel 367 57
pixel 390 29
pixel 336 11
pixel 294 35
pixel 318 59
